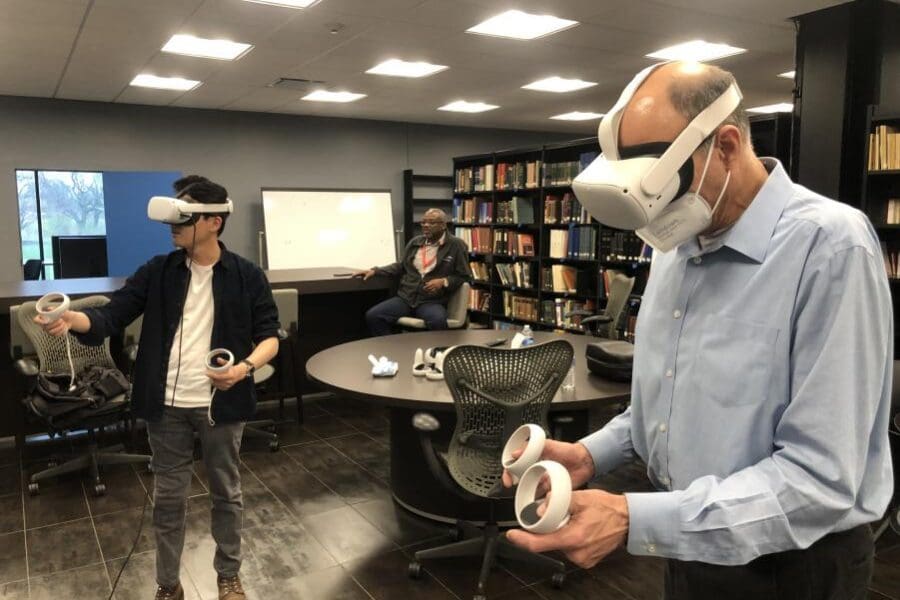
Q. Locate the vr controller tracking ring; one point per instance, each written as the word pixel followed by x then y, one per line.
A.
pixel 213 365
pixel 530 439
pixel 558 499
pixel 51 307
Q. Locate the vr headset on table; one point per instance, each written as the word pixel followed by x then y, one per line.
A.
pixel 645 187
pixel 175 211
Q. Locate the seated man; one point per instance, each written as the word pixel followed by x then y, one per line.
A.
pixel 434 265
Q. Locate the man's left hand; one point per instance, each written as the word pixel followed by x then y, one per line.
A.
pixel 598 525
pixel 224 380
pixel 433 286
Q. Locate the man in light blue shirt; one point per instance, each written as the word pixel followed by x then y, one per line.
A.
pixel 761 389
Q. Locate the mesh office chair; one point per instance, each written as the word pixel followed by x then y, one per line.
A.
pixel 457 311
pixel 281 387
pixel 605 324
pixel 52 360
pixel 494 391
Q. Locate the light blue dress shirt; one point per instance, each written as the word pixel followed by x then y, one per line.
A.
pixel 762 382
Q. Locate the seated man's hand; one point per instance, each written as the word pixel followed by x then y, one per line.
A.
pixel 364 274
pixel 598 525
pixel 433 286
pixel 574 457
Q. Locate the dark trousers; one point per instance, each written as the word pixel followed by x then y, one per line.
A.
pixel 383 315
pixel 172 442
pixel 837 567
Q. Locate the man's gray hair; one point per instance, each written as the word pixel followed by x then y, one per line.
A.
pixel 438 212
pixel 690 96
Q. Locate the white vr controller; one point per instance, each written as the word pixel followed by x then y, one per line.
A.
pixel 52 306
pixel 213 365
pixel 528 471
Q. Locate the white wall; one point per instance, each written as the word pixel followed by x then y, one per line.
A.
pixel 242 151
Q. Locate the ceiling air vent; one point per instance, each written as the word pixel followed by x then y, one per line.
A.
pixel 292 83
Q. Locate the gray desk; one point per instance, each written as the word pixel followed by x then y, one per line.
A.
pixel 332 311
pixel 345 370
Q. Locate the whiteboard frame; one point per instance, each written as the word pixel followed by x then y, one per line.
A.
pixel 265 244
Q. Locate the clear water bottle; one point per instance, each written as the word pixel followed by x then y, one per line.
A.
pixel 567 389
pixel 529 336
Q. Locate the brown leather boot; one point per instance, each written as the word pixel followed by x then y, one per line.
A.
pixel 170 593
pixel 230 588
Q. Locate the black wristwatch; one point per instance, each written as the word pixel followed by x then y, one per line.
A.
pixel 250 367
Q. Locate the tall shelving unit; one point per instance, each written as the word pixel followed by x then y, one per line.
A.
pixel 421 192
pixel 881 186
pixel 554 259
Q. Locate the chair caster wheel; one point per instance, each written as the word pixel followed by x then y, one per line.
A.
pixel 52 463
pixel 456 534
pixel 99 489
pixel 558 580
pixel 274 445
pixel 479 597
pixel 33 489
pixel 414 570
pixel 149 467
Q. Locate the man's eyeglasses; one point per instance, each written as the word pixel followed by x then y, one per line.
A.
pixel 432 223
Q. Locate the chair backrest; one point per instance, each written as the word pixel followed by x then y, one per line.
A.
pixel 133 331
pixel 288 303
pixel 495 391
pixel 19 344
pixel 620 286
pixel 458 305
pixel 51 350
pixel 32 269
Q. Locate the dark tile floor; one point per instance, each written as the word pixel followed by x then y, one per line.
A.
pixel 319 524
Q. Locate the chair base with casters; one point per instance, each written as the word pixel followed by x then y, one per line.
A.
pixel 264 428
pixel 492 545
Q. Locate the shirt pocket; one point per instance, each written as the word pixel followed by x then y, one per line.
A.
pixel 735 361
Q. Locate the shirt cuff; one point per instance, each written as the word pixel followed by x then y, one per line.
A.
pixel 604 450
pixel 654 523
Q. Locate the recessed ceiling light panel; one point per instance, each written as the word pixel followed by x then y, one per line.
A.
pixel 577 116
pixel 326 96
pixel 788 74
pixel 189 45
pixel 287 3
pixel 697 51
pixel 521 25
pixel 401 68
pixel 468 107
pixel 558 85
pixel 164 83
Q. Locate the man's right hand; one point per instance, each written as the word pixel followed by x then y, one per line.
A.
pixel 574 457
pixel 59 327
pixel 364 274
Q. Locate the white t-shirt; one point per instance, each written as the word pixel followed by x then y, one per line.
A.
pixel 194 387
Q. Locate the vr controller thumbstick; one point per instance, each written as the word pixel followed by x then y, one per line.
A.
pixel 52 306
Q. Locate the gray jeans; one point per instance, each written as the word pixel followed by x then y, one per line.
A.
pixel 172 443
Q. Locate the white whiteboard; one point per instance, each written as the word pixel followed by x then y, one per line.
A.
pixel 328 228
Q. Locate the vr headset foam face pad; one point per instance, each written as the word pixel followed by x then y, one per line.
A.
pixel 657 149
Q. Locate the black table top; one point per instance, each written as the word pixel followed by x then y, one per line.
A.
pixel 306 281
pixel 345 369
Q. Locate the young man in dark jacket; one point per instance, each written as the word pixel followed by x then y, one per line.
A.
pixel 434 265
pixel 195 299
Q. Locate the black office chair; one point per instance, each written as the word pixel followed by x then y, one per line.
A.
pixel 892 516
pixel 52 360
pixel 605 324
pixel 495 391
pixel 32 269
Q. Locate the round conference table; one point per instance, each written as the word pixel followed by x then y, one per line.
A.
pixel 345 370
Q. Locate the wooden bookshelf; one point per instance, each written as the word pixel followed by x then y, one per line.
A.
pixel 515 203
pixel 421 192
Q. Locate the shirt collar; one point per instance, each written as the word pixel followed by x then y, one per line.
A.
pixel 226 258
pixel 423 241
pixel 751 234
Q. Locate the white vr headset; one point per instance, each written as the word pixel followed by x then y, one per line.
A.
pixel 175 211
pixel 644 187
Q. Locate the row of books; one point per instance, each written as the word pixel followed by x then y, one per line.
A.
pixel 518 176
pixel 553 312
pixel 565 210
pixel 515 210
pixel 623 245
pixel 893 211
pixel 569 280
pixel 474 179
pixel 519 274
pixel 478 239
pixel 479 300
pixel 520 307
pixel 513 243
pixel 576 242
pixel 891 262
pixel 884 149
pixel 561 173
pixel 480 271
pixel 472 210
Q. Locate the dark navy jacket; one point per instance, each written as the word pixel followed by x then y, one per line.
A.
pixel 245 314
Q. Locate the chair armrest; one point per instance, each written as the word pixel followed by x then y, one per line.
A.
pixel 130 351
pixel 599 319
pixel 282 335
pixel 578 313
pixel 425 424
pixel 27 367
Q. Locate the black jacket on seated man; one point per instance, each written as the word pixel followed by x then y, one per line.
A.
pixel 452 264
pixel 450 268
